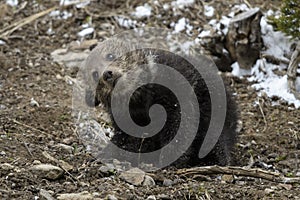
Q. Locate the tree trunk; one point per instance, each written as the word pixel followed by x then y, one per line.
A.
pixel 292 71
pixel 243 39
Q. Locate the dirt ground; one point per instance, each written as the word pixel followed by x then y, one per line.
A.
pixel 269 138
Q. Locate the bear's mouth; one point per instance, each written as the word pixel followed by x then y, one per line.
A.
pixel 115 81
pixel 91 99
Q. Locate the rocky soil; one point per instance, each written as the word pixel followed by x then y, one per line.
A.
pixel 41 156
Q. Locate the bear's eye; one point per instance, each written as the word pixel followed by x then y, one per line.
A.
pixel 110 57
pixel 95 76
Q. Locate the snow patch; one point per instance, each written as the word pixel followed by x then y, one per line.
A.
pixel 181 25
pixel 182 3
pixel 278 86
pixel 79 3
pixel 142 11
pixel 2 42
pixel 60 15
pixel 125 22
pixel 86 31
pixel 237 71
pixel 209 11
pixel 12 3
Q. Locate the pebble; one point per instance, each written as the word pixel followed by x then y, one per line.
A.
pixel 47 171
pixel 167 182
pixel 66 148
pixel 148 181
pixel 268 191
pixel 76 196
pixel 151 197
pixel 6 168
pixel 163 197
pixel 46 195
pixel 134 176
pixel 111 197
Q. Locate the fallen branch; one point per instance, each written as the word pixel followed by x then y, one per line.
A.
pixel 6 31
pixel 276 61
pixel 15 26
pixel 292 71
pixel 239 171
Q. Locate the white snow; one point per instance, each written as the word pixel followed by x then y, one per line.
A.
pixel 166 6
pixel 278 86
pixel 79 3
pixel 2 42
pixel 209 11
pixel 142 11
pixel 125 22
pixel 182 3
pixel 204 33
pixel 262 73
pixel 60 15
pixel 181 25
pixel 237 71
pixel 86 31
pixel 12 3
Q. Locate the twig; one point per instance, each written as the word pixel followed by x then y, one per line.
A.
pixel 16 25
pixel 272 59
pixel 11 28
pixel 27 149
pixel 239 171
pixel 27 126
pixel 263 114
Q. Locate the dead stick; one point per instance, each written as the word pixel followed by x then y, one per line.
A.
pixel 10 29
pixel 27 126
pixel 239 171
pixel 292 71
pixel 13 27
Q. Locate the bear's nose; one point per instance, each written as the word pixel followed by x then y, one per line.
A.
pixel 107 75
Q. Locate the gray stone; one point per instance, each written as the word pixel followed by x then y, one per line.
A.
pixel 148 181
pixel 47 171
pixel 134 176
pixel 66 148
pixel 46 195
pixel 151 197
pixel 76 196
pixel 111 197
pixel 168 182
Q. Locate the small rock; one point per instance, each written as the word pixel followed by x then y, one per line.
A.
pixel 36 162
pixel 45 195
pixel 6 168
pixel 76 196
pixel 47 171
pixel 151 197
pixel 69 140
pixel 111 197
pixel 107 169
pixel 2 153
pixel 286 186
pixel 34 103
pixel 227 178
pixel 66 148
pixel 163 197
pixel 134 176
pixel 131 187
pixel 268 191
pixel 148 181
pixel 167 182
